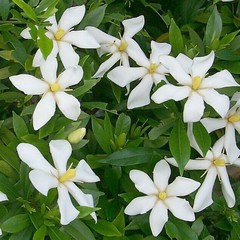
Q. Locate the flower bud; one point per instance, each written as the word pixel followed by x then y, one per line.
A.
pixel 77 135
pixel 121 140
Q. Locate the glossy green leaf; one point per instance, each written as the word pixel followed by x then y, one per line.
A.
pixel 28 10
pixel 40 233
pixel 56 234
pixel 45 44
pixel 4 9
pixel 172 231
pixel 19 126
pixel 123 124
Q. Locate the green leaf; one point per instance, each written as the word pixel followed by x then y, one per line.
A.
pixel 16 223
pixel 25 234
pixel 123 124
pixel 105 228
pixel 198 226
pixel 88 84
pixel 27 9
pixel 202 137
pixel 4 9
pixel 40 233
pixel 7 170
pixel 19 126
pixel 179 145
pixel 133 156
pixel 184 230
pixel 119 221
pixel 48 128
pixel 196 40
pixel 56 234
pixel 175 38
pixel 44 43
pixel 78 230
pixel 172 231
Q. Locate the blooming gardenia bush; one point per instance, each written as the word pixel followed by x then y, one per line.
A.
pixel 79 171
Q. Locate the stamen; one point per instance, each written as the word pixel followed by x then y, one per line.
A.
pixel 59 34
pixel 196 82
pixel 152 68
pixel 162 195
pixel 55 87
pixel 234 118
pixel 218 162
pixel 122 46
pixel 70 173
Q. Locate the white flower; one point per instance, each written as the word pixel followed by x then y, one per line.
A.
pixel 161 196
pixel 3 197
pixel 44 176
pixel 64 37
pixel 53 90
pixel 191 75
pixel 231 122
pixel 117 48
pixel 215 165
pixel 150 72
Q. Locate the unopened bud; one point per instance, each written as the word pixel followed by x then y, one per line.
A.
pixel 77 135
pixel 121 140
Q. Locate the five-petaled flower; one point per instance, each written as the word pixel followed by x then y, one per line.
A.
pixel 64 37
pixel 52 89
pixel 44 176
pixel 195 85
pixel 161 196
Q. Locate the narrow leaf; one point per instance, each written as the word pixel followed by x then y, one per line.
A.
pixel 27 9
pixel 19 126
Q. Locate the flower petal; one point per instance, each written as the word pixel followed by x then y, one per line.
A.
pixel 81 39
pixel 212 124
pixel 219 102
pixel 140 95
pixel 84 173
pixel 44 110
pixel 180 208
pixel 159 49
pixel 60 150
pixel 34 159
pixel 140 205
pixel 217 148
pixel 67 54
pixel 201 65
pixel 37 58
pixel 133 26
pixel 53 28
pixel 185 62
pixel 49 69
pixel 193 108
pixel 68 105
pixel 26 33
pixel 201 164
pixel 70 76
pixel 203 198
pixel 43 181
pixel 182 186
pixel 67 210
pixel 158 217
pixel 169 91
pixel 29 84
pixel 143 182
pixel 3 197
pixel 71 17
pixel 161 174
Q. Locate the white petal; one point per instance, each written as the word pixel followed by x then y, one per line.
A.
pixel 26 33
pixel 143 182
pixel 201 65
pixel 185 62
pixel 193 108
pixel 219 80
pixel 124 60
pixel 81 39
pixel 60 150
pixel 140 95
pixel 70 76
pixel 122 75
pixel 182 186
pixel 44 110
pixel 203 198
pixel 49 69
pixel 226 187
pixel 198 164
pixel 67 210
pixel 37 58
pixel 212 124
pixel 133 26
pixel 217 148
pixel 43 181
pixel 84 173
pixel 237 126
pixel 158 217
pixel 71 17
pixel 34 159
pixel 68 105
pixel 3 197
pixel 106 65
pixel 161 174
pixel 53 28
pixel 29 84
pixel 172 161
pixel 140 205
pixel 170 91
pixel 67 54
pixel 159 49
pixel 180 208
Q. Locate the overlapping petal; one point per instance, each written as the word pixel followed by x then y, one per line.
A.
pixel 133 26
pixel 212 124
pixel 185 62
pixel 49 70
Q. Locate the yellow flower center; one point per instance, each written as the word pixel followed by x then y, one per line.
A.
pixel 59 34
pixel 152 68
pixel 69 174
pixel 218 162
pixel 234 118
pixel 162 195
pixel 122 46
pixel 196 82
pixel 55 87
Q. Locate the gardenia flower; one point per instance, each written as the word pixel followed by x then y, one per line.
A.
pixel 214 163
pixel 150 72
pixel 64 37
pixel 161 196
pixel 53 90
pixel 44 176
pixel 117 48
pixel 191 75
